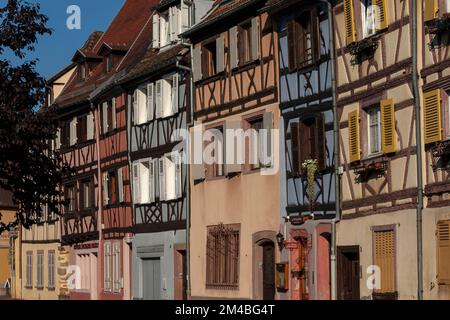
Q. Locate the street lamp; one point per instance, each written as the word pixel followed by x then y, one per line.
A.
pixel 280 240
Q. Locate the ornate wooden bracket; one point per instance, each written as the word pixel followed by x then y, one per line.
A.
pixel 365 171
pixel 364 49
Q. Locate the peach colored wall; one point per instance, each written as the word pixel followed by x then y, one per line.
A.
pixel 251 200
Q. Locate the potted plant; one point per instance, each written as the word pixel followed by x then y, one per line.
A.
pixel 311 166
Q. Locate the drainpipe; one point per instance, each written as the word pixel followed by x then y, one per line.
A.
pixel 188 173
pixel 337 171
pixel 419 207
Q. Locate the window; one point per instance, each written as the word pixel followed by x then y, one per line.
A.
pixel 222 264
pixel 303 37
pixel 113 192
pixel 253 143
pixel 209 61
pixel 368 18
pixel 83 71
pixel 83 261
pixel 107 267
pixel 217 148
pixel 443 252
pixel 40 270
pixel 308 142
pixel 144 104
pixel 117 268
pixel 65 134
pixel 169 169
pixel 51 270
pixel 112 187
pixel 385 258
pixel 109 64
pixel 374 127
pixel 245 43
pixel 164 28
pixel 82 128
pixel 108 115
pixel 70 196
pixel 29 275
pixel 86 195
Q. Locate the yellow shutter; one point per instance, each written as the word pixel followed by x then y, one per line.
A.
pixel 431 10
pixel 388 133
pixel 381 14
pixel 350 35
pixel 432 116
pixel 385 259
pixel 353 136
pixel 443 239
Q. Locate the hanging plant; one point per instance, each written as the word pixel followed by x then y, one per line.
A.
pixel 311 166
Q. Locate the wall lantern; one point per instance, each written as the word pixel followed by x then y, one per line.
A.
pixel 280 240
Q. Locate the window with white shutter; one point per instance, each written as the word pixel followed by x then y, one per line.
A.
pixel 152 191
pixel 178 176
pixel 117 268
pixel 113 113
pixel 105 127
pixel 156 32
pixel 167 97
pixel 185 17
pixel 51 269
pixel 90 126
pixel 105 189
pixel 174 87
pixel 162 179
pixel 164 29
pixel 169 176
pixel 120 182
pixel 73 131
pixel 141 106
pixel 158 97
pixel 144 179
pixel 107 267
pixel 150 101
pixel 136 184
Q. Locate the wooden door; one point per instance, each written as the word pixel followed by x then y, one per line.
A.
pixel 299 275
pixel 268 271
pixel 180 275
pixel 348 273
pixel 151 270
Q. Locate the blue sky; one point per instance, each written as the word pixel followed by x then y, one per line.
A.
pixel 55 52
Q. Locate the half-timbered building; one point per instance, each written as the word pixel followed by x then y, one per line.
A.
pixel 234 188
pixel 435 104
pixel 307 198
pixel 157 87
pixel 376 237
pixel 93 141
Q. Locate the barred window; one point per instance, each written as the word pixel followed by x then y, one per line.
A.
pixel 51 270
pixel 40 270
pixel 29 274
pixel 222 266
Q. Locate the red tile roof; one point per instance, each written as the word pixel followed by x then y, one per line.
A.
pixel 122 32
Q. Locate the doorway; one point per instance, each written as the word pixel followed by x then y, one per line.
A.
pixel 180 272
pixel 348 272
pixel 268 270
pixel 151 270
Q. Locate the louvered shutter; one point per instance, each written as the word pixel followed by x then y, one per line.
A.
pixel 73 131
pixel 234 60
pixel 113 113
pixel 105 117
pixel 105 189
pixel 107 267
pixel 300 45
pixel 305 143
pixel 90 126
pixel 255 38
pixel 175 84
pixel 321 142
pixel 184 16
pixel 350 34
pixel 117 267
pixel 443 242
pixel 156 177
pixel 220 54
pixel 266 143
pixel 353 136
pixel 385 258
pixel 197 67
pixel 431 10
pixel 178 176
pixel 155 39
pixel 136 184
pixel 432 116
pixel 388 134
pixel 295 148
pixel 58 139
pixel 230 144
pixel 150 101
pixel 151 183
pixel 162 179
pixel 291 42
pixel 158 96
pixel 381 14
pixel 120 183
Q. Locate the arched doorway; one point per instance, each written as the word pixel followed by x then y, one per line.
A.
pixel 264 255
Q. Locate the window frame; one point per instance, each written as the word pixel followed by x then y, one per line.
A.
pixel 370 153
pixel 215 170
pixel 40 270
pixel 248 123
pixel 364 17
pixel 209 58
pixel 51 270
pixel 71 206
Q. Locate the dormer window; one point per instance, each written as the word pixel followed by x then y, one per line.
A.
pixel 169 23
pixel 83 71
pixel 109 63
